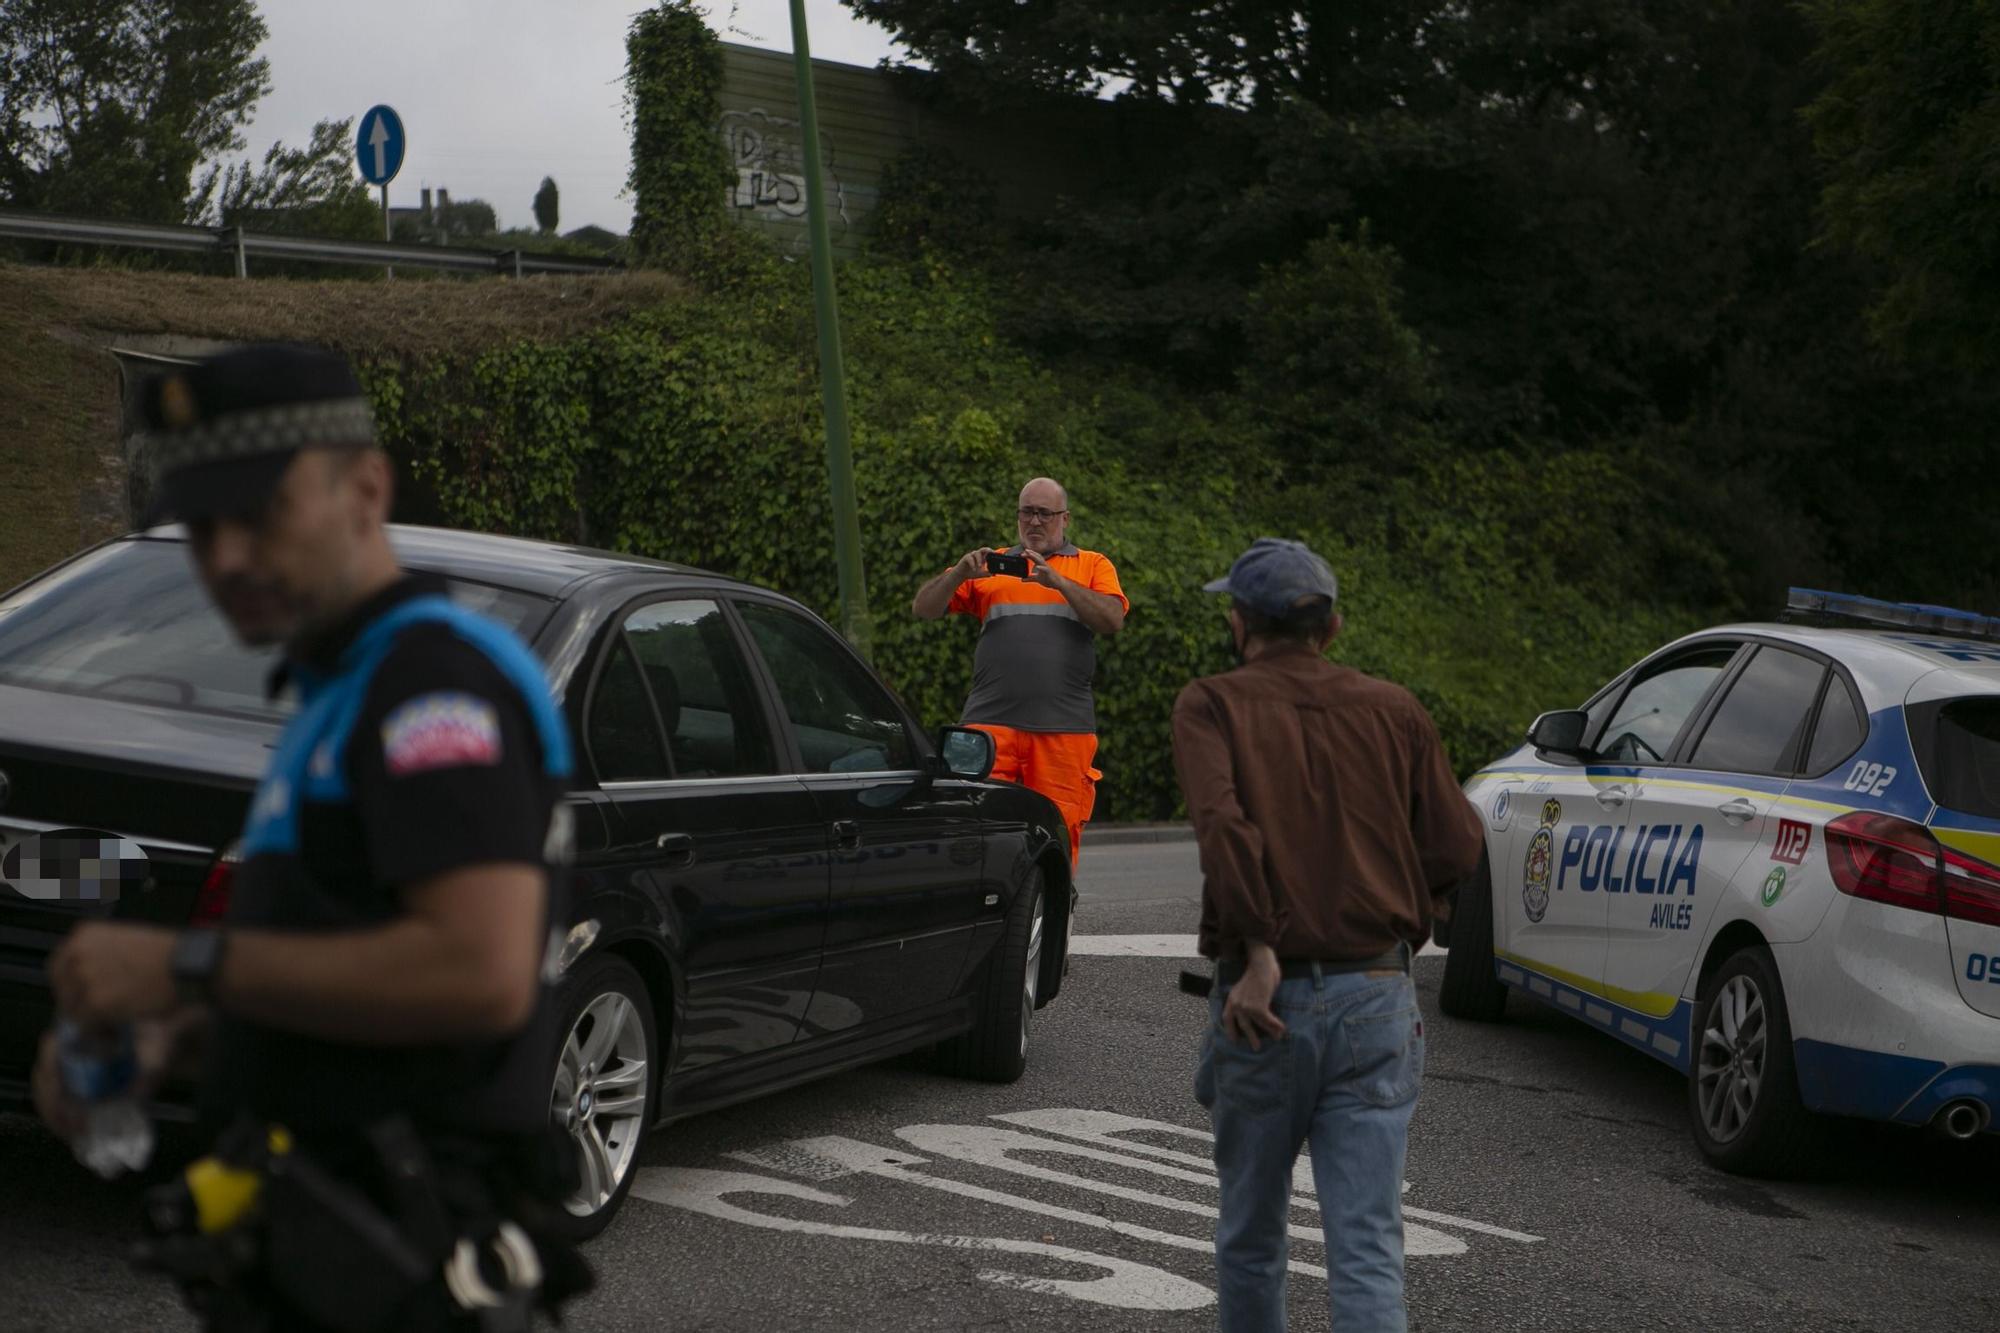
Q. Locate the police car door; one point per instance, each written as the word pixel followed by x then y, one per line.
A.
pixel 1587 814
pixel 1702 815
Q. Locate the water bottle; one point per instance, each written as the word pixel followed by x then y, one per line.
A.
pixel 98 1068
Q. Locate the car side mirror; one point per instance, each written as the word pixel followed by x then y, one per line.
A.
pixel 964 752
pixel 1561 732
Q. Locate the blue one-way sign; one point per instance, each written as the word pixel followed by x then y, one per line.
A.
pixel 379 145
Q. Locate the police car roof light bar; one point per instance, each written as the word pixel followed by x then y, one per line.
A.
pixel 1811 605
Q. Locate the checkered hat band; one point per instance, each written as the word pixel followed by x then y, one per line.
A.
pixel 264 430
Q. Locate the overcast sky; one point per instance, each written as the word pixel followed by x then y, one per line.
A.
pixel 496 94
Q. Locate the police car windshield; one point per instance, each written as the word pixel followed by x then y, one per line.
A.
pixel 129 621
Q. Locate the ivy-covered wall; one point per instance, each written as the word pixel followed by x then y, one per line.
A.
pixel 692 432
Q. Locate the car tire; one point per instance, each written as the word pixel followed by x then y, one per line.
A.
pixel 606 1056
pixel 1743 1087
pixel 1469 989
pixel 995 1049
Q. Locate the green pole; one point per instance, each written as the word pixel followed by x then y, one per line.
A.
pixel 854 620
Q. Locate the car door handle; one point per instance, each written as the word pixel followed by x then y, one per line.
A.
pixel 1737 810
pixel 677 847
pixel 846 834
pixel 1612 798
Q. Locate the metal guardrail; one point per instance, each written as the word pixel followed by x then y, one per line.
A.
pixel 244 245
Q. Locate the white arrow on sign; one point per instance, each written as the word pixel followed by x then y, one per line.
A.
pixel 377 138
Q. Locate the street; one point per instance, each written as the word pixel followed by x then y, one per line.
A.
pixel 1551 1184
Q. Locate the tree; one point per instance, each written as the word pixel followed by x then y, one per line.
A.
pixel 310 191
pixel 1906 129
pixel 547 202
pixel 107 107
pixel 680 169
pixel 464 219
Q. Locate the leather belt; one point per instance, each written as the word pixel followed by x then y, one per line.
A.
pixel 1228 971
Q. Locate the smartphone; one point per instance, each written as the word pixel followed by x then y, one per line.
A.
pixel 999 562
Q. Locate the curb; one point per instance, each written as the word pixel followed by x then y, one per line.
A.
pixel 1122 835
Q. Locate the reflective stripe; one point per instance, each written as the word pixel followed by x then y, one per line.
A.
pixel 999 609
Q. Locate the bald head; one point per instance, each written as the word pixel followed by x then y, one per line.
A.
pixel 1044 496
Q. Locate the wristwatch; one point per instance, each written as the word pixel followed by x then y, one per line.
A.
pixel 196 959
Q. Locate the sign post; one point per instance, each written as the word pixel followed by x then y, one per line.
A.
pixel 378 151
pixel 855 622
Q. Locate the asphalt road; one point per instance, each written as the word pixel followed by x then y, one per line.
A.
pixel 1552 1185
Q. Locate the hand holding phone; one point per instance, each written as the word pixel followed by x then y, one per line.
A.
pixel 999 562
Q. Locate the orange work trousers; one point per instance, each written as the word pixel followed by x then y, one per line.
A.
pixel 1054 763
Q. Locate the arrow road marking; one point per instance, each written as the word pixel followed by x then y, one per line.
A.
pixel 1124 1284
pixel 833 1157
pixel 1165 946
pixel 1098 1127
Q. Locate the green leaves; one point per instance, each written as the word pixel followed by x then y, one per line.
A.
pixel 107 107
pixel 680 170
pixel 691 432
pixel 1907 127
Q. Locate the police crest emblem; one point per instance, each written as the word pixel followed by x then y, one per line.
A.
pixel 1541 851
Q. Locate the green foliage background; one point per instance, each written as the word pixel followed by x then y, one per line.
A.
pixel 692 432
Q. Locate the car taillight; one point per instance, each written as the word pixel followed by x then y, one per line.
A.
pixel 1884 859
pixel 213 899
pixel 1891 860
pixel 1971 889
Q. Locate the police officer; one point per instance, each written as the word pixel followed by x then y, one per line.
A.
pixel 380 966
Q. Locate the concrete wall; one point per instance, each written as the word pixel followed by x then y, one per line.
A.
pixel 866 120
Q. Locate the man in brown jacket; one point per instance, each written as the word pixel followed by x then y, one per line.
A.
pixel 1330 827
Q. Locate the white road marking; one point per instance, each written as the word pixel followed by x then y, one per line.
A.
pixel 834 1157
pixel 1100 1127
pixel 1091 1136
pixel 993 1148
pixel 1127 1285
pixel 1166 946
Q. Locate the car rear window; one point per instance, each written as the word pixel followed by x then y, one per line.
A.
pixel 130 621
pixel 1962 762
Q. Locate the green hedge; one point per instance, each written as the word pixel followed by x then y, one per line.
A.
pixel 692 432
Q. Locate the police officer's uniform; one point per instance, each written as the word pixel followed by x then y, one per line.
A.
pixel 425 740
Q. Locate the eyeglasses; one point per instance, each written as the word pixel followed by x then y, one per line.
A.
pixel 1040 515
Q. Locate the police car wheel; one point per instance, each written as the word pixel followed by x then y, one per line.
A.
pixel 1743 1090
pixel 601 1092
pixel 1469 989
pixel 996 1047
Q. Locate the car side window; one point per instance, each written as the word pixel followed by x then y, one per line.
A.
pixel 1756 729
pixel 1643 726
pixel 623 737
pixel 1839 730
pixel 702 686
pixel 841 716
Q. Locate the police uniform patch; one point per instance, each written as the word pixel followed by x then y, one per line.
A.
pixel 448 729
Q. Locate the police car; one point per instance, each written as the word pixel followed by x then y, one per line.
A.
pixel 1768 855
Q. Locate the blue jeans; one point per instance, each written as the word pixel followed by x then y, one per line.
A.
pixel 1343 1078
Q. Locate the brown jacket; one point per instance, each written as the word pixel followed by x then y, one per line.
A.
pixel 1328 819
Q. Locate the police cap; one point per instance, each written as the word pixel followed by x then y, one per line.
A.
pixel 221 432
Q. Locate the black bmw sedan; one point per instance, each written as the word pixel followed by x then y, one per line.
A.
pixel 777 874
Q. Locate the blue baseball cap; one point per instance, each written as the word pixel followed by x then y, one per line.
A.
pixel 1275 575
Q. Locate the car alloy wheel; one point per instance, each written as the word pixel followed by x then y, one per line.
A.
pixel 1032 981
pixel 600 1096
pixel 1730 1069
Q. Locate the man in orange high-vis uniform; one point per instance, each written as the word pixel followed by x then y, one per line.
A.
pixel 1037 652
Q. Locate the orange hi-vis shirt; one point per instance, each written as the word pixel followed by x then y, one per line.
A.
pixel 1035 660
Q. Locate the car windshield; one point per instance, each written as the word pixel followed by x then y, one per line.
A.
pixel 130 621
